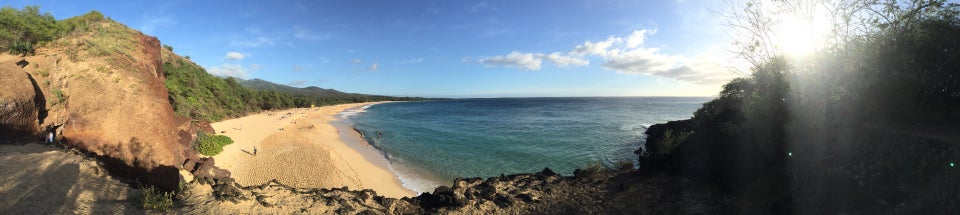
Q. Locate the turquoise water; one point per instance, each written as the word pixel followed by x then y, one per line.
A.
pixel 431 143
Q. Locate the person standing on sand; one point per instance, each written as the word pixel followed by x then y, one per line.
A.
pixel 254 150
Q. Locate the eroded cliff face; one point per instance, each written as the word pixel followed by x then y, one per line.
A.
pixel 105 97
pixel 19 104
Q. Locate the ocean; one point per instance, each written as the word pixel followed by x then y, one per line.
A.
pixel 431 143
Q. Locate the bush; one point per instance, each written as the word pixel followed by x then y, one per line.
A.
pixel 211 145
pixel 21 47
pixel 623 165
pixel 59 95
pixel 595 167
pixel 671 140
pixel 155 200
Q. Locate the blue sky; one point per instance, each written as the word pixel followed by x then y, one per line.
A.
pixel 443 48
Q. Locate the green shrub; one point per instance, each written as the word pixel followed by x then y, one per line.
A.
pixel 671 140
pixel 21 47
pixel 59 95
pixel 156 200
pixel 595 167
pixel 211 145
pixel 624 165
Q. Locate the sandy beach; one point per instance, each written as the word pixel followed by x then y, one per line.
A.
pixel 302 148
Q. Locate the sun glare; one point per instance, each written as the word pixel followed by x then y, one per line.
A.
pixel 798 34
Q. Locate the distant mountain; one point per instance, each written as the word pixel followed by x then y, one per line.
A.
pixel 263 85
pixel 317 93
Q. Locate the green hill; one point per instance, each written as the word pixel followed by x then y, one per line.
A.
pixel 324 96
pixel 200 95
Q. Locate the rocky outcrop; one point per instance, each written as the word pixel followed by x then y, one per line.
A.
pixel 545 192
pixel 21 103
pixel 124 116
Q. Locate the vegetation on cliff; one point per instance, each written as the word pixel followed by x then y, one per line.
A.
pixel 864 126
pixel 193 92
pixel 200 95
pixel 27 28
pixel 211 145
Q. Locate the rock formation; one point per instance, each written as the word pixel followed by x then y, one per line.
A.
pixel 109 101
pixel 545 192
pixel 20 103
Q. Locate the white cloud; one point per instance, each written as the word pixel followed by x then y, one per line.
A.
pixel 373 67
pixel 639 61
pixel 304 34
pixel 526 61
pixel 565 60
pixel 530 61
pixel 626 55
pixel 233 70
pixel 637 37
pixel 298 68
pixel 356 61
pixel 234 56
pixel 597 48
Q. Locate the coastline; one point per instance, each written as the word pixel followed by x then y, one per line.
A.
pixel 303 148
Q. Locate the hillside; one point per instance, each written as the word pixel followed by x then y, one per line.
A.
pixel 97 86
pixel 199 95
pixel 319 95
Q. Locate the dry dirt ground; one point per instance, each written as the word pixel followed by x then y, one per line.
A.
pixel 40 179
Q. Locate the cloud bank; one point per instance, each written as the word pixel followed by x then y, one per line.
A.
pixel 233 70
pixel 234 56
pixel 626 55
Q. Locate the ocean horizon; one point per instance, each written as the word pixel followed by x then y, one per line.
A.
pixel 430 143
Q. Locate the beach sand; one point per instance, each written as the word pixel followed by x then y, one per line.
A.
pixel 302 148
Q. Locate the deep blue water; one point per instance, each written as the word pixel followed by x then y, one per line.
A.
pixel 431 143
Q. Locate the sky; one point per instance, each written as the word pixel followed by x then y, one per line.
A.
pixel 443 48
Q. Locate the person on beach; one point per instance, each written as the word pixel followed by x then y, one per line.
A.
pixel 254 151
pixel 379 134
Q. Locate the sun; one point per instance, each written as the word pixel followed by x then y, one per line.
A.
pixel 801 33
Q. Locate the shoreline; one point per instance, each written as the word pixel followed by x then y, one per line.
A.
pixel 304 147
pixel 411 177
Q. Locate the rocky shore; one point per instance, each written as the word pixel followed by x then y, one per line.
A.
pixel 545 192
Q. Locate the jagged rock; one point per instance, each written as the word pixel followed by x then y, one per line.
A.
pixel 546 172
pixel 205 170
pixel 228 190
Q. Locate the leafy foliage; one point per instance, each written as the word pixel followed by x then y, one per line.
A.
pixel 21 48
pixel 60 97
pixel 211 145
pixel 23 30
pixel 200 95
pixel 155 200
